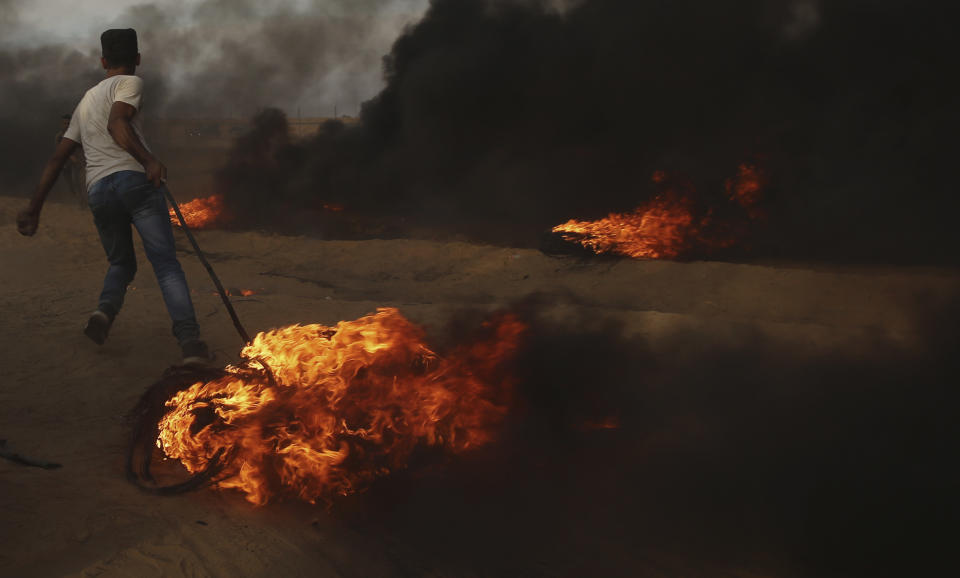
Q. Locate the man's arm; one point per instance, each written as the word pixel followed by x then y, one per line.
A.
pixel 29 218
pixel 122 131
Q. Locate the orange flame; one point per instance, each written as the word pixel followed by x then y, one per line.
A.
pixel 201 213
pixel 238 292
pixel 746 189
pixel 346 404
pixel 657 230
pixel 665 227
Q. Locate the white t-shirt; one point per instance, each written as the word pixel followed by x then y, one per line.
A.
pixel 88 126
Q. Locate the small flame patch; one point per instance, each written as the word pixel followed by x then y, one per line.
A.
pixel 201 213
pixel 666 227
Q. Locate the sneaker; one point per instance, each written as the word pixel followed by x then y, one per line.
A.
pixel 195 352
pixel 98 326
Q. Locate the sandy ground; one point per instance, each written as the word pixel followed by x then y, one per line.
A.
pixel 64 399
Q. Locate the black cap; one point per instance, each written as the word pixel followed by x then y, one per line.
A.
pixel 119 45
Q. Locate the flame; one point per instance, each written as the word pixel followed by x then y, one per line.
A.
pixel 345 405
pixel 746 189
pixel 201 213
pixel 238 292
pixel 657 230
pixel 665 227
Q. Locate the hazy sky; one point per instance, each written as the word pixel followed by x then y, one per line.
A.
pixel 73 20
pixel 42 21
pixel 337 45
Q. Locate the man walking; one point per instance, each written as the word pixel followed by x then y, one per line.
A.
pixel 124 181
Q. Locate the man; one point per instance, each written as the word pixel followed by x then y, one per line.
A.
pixel 124 181
pixel 75 167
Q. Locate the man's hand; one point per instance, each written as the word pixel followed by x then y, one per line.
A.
pixel 156 172
pixel 27 222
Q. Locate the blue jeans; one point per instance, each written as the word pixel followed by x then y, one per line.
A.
pixel 117 201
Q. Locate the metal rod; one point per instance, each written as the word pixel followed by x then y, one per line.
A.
pixel 216 280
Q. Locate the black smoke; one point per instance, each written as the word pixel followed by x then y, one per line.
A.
pixel 39 84
pixel 736 456
pixel 500 119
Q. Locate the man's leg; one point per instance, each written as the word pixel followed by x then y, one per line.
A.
pixel 113 225
pixel 152 221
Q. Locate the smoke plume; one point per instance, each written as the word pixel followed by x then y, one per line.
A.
pixel 695 455
pixel 39 85
pixel 500 119
pixel 205 59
